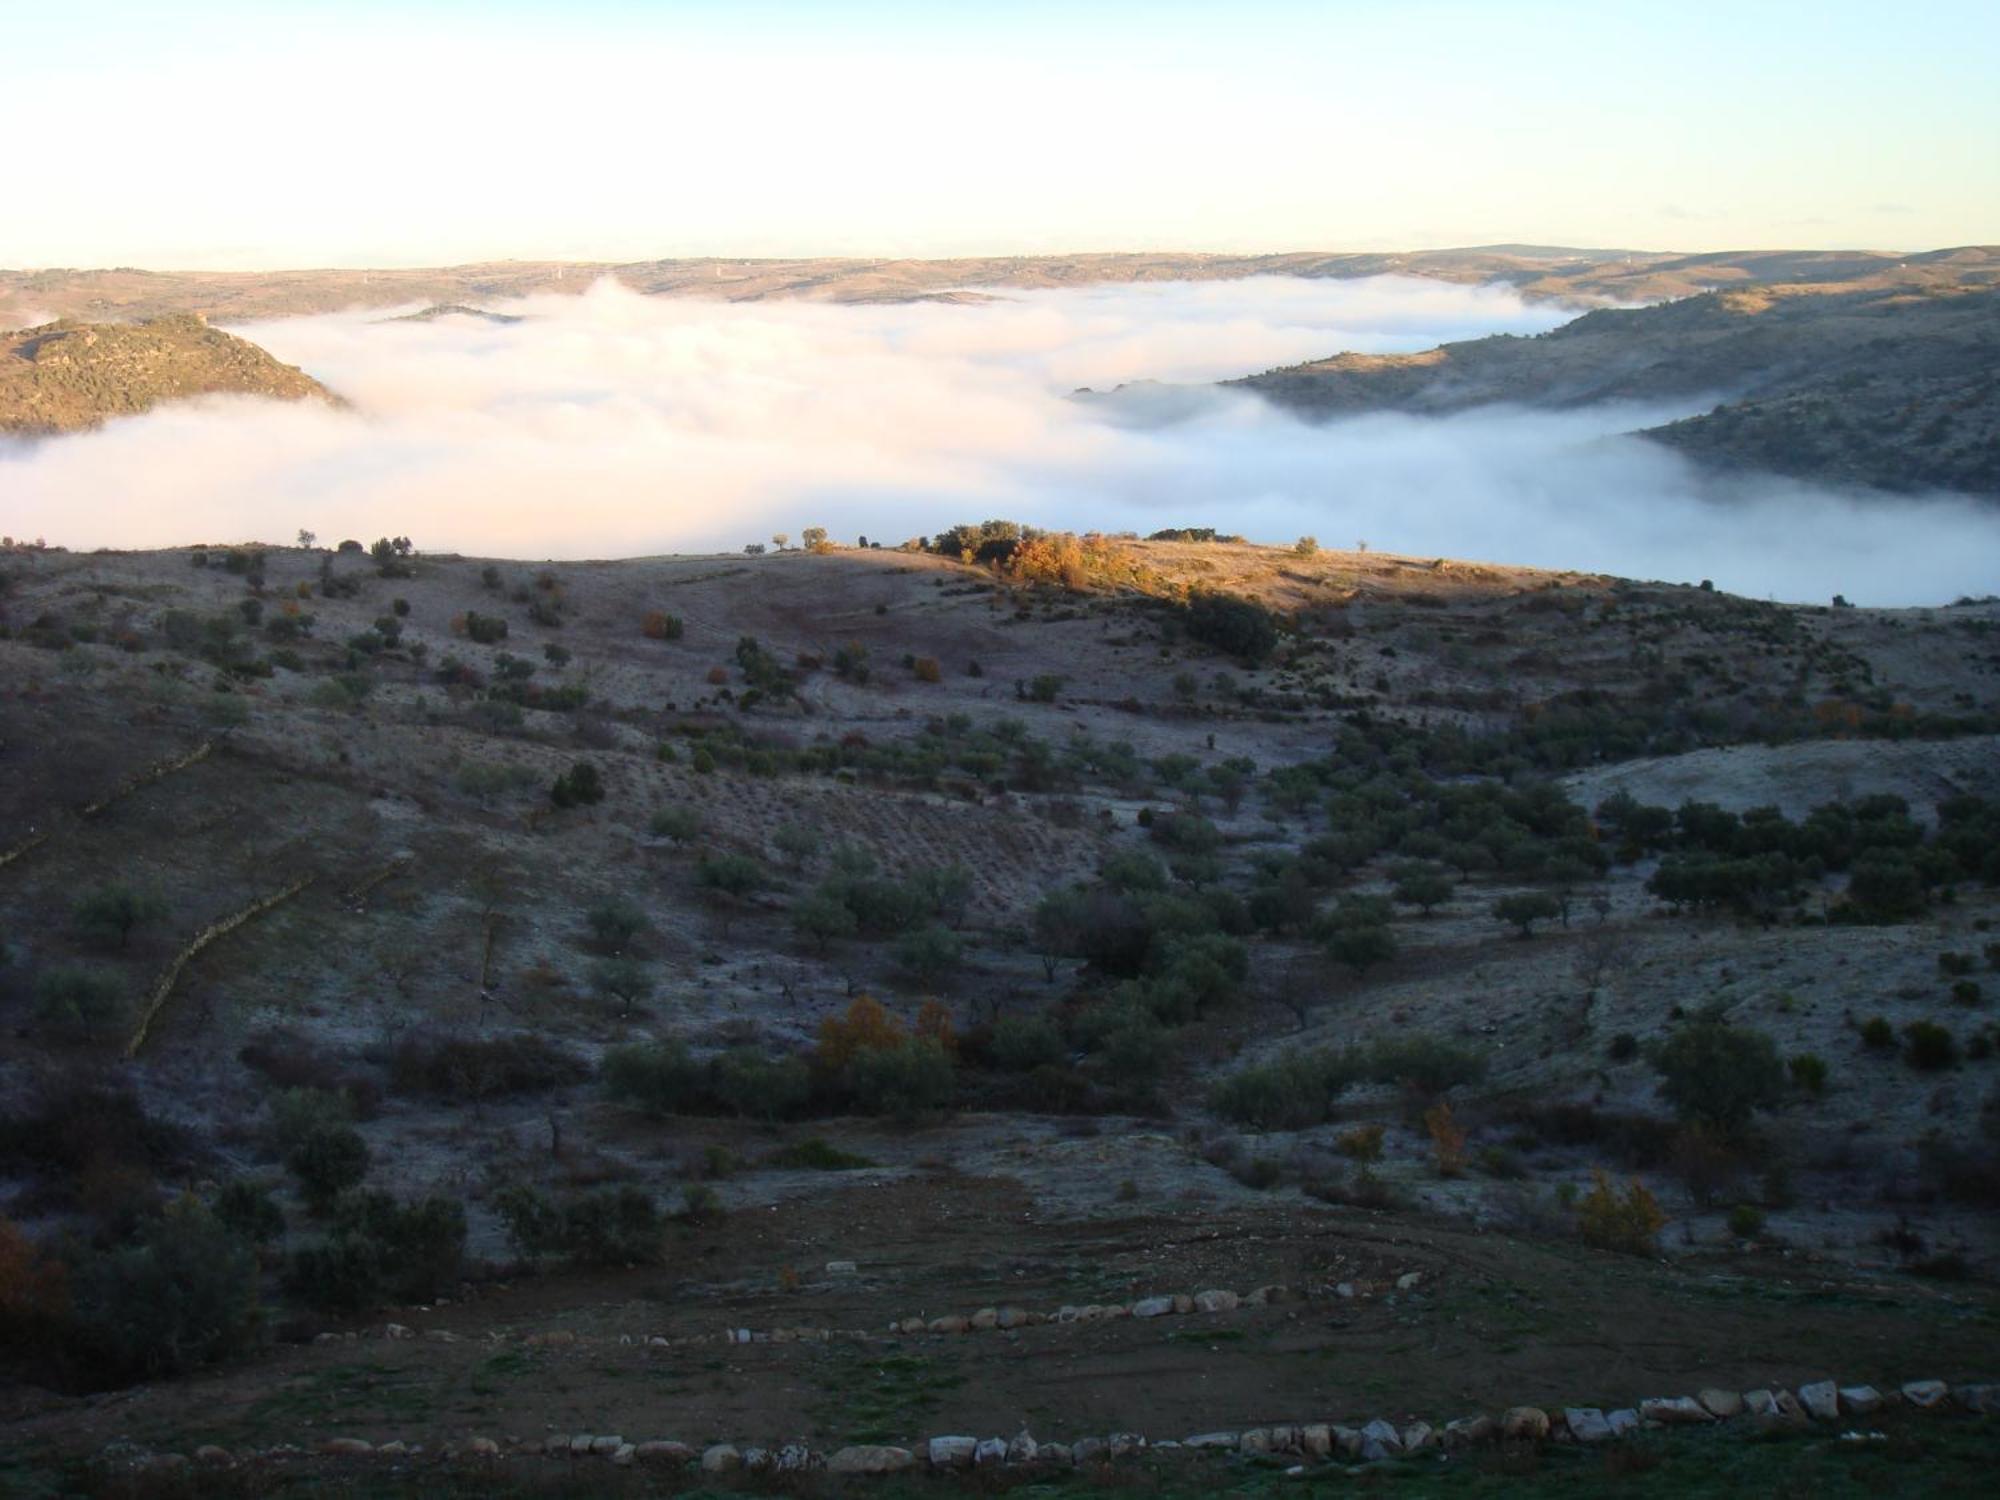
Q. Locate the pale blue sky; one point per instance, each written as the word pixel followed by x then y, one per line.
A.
pixel 218 134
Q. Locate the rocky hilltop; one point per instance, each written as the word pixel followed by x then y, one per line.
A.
pixel 66 377
pixel 1891 383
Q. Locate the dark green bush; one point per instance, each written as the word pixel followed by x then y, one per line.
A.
pixel 182 1294
pixel 1718 1075
pixel 327 1162
pixel 579 786
pixel 1928 1046
pixel 613 1227
pixel 381 1251
pixel 904 1081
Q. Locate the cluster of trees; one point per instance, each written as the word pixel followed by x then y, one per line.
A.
pixel 865 1061
pixel 1756 863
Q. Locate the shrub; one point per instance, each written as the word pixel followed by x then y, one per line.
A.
pixel 1240 627
pixel 613 1227
pixel 578 786
pixel 480 1067
pixel 182 1294
pixel 106 916
pixel 327 1161
pixel 1021 1044
pixel 681 824
pixel 926 669
pixel 1422 1062
pixel 615 923
pixel 1746 1221
pixel 380 1251
pixel 929 955
pixel 912 1078
pixel 1523 911
pixel 1717 1074
pixel 247 1210
pixel 1928 1046
pixel 1966 991
pixel 815 1155
pixel 1447 1139
pixel 661 626
pixel 1808 1072
pixel 1292 1093
pixel 1877 1035
pixel 1624 1047
pixel 657 1077
pixel 1305 546
pixel 746 1082
pixel 1363 1143
pixel 1629 1221
pixel 34 1293
pixel 75 998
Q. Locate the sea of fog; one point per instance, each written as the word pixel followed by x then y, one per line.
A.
pixel 611 424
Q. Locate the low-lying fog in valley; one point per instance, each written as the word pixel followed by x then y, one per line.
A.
pixel 615 424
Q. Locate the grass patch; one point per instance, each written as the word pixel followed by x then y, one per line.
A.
pixel 816 1155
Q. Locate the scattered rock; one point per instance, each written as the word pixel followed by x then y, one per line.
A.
pixel 625 1455
pixel 870 1459
pixel 1980 1398
pixel 397 1331
pixel 1407 1282
pixel 213 1456
pixel 1719 1403
pixel 1153 1307
pixel 1586 1424
pixel 986 1317
pixel 1014 1317
pixel 1216 1301
pixel 1821 1400
pixel 481 1447
pixel 1023 1448
pixel 1529 1422
pixel 1183 1304
pixel 1212 1440
pixel 722 1458
pixel 664 1452
pixel 1256 1440
pixel 950 1323
pixel 1418 1436
pixel 346 1447
pixel 952 1452
pixel 991 1450
pixel 844 1268
pixel 796 1458
pixel 1126 1444
pixel 1925 1394
pixel 1466 1431
pixel 396 1448
pixel 1674 1411
pixel 1315 1440
pixel 601 1445
pixel 1622 1422
pixel 1086 1450
pixel 1859 1400
pixel 1380 1440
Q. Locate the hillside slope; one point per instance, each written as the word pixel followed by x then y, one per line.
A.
pixel 1891 386
pixel 65 377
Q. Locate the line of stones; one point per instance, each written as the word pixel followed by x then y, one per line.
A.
pixel 1180 1304
pixel 1776 1410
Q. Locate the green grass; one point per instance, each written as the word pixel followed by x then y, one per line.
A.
pixel 882 1399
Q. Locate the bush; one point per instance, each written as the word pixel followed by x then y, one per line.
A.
pixel 1877 1035
pixel 615 923
pixel 1629 1221
pixel 1966 991
pixel 579 786
pixel 81 1000
pixel 1523 911
pixel 930 955
pixel 657 1077
pixel 613 1227
pixel 907 1080
pixel 1422 1062
pixel 658 625
pixel 327 1162
pixel 1293 1093
pixel 1746 1221
pixel 746 1082
pixel 247 1210
pixel 1717 1074
pixel 481 1067
pixel 182 1294
pixel 1021 1044
pixel 1808 1072
pixel 1241 627
pixel 1928 1046
pixel 815 1155
pixel 106 916
pixel 381 1251
pixel 681 824
pixel 1363 1143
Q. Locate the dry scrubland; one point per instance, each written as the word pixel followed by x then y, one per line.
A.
pixel 1154 1013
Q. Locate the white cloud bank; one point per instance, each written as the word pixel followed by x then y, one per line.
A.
pixel 612 424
